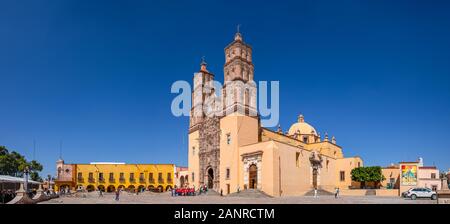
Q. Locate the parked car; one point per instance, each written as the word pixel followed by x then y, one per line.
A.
pixel 415 193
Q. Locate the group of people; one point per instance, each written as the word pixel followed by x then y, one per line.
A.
pixel 6 196
pixel 64 190
pixel 185 191
pixel 188 191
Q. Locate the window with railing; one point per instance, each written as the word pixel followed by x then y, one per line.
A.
pixel 91 178
pixel 160 178
pixel 169 178
pixel 141 178
pixel 111 177
pixel 132 177
pixel 151 178
pixel 101 178
pixel 80 177
pixel 122 177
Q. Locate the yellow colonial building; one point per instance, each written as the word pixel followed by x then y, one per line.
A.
pixel 110 177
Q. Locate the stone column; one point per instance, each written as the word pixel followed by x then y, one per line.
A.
pixel 21 197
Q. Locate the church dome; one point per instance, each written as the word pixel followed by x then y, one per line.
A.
pixel 302 127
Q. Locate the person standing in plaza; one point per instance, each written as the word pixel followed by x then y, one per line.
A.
pixel 117 195
pixel 315 192
pixel 336 194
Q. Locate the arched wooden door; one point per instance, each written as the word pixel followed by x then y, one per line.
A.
pixel 181 181
pixel 315 173
pixel 210 178
pixel 253 176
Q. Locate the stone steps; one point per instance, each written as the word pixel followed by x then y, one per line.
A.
pixel 319 193
pixel 210 192
pixel 250 193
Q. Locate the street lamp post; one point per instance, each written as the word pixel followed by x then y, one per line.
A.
pixel 26 172
pixel 49 179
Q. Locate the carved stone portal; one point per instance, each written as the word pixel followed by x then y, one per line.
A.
pixel 316 164
pixel 209 152
pixel 252 170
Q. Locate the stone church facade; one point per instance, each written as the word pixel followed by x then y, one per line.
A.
pixel 231 151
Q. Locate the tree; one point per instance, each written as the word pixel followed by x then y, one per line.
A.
pixel 367 174
pixel 13 164
pixel 35 168
pixel 3 150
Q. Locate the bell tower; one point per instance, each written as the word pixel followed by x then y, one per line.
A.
pixel 239 88
pixel 201 90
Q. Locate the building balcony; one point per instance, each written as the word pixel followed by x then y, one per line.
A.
pixel 152 181
pixel 112 180
pixel 80 180
pixel 122 180
pixel 64 179
pixel 91 180
pixel 142 180
pixel 160 181
pixel 169 181
pixel 132 180
pixel 101 180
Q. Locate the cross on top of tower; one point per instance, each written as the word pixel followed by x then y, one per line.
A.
pixel 203 61
pixel 238 35
pixel 203 64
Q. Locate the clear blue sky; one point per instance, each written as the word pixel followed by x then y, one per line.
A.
pixel 97 74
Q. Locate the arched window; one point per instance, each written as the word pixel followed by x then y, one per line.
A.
pixel 247 97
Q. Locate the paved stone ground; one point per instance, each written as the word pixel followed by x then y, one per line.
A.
pixel 165 198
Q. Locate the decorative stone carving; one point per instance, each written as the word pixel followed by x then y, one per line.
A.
pixel 253 159
pixel 209 150
pixel 316 164
pixel 316 160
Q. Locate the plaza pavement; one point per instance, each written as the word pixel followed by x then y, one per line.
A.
pixel 165 198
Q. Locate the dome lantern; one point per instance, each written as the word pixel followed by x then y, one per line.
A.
pixel 301 118
pixel 302 128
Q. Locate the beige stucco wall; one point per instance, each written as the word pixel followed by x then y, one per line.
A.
pixel 294 180
pixel 268 178
pixel 363 192
pixel 346 165
pixel 391 172
pixel 326 148
pixel 243 130
pixel 193 159
pixel 425 179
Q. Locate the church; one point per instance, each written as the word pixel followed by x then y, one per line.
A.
pixel 233 152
